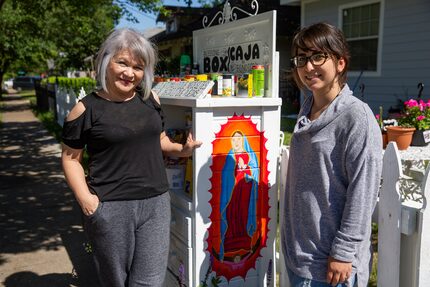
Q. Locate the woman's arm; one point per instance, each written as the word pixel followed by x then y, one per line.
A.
pixel 75 176
pixel 171 148
pixel 178 150
pixel 71 160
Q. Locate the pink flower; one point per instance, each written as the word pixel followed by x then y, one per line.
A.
pixel 377 116
pixel 411 103
pixel 420 118
pixel 422 105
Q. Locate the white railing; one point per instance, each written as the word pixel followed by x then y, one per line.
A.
pixel 66 99
pixel 403 224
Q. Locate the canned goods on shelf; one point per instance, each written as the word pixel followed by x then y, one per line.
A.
pixel 243 86
pixel 258 80
pixel 217 87
pixel 189 78
pixel 201 77
pixel 227 85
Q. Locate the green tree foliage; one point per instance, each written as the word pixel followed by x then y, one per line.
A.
pixel 20 39
pixel 66 31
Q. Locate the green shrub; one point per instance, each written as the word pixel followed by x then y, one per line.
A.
pixel 71 83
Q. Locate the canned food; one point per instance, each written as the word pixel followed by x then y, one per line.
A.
pixel 258 80
pixel 217 87
pixel 189 78
pixel 227 85
pixel 242 86
pixel 201 77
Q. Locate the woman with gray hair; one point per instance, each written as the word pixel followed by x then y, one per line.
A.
pixel 124 198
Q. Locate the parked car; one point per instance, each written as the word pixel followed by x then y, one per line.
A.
pixel 25 82
pixel 8 84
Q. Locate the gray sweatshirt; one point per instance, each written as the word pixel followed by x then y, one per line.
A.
pixel 332 186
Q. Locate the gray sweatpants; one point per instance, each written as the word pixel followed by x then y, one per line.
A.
pixel 130 241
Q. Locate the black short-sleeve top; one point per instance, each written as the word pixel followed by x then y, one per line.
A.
pixel 123 143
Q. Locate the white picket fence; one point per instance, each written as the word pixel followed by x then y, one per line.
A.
pixel 66 99
pixel 403 226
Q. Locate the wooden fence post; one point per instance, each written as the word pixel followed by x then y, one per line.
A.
pixel 283 276
pixel 424 234
pixel 389 219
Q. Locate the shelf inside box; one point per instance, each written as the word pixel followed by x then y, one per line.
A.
pixel 213 102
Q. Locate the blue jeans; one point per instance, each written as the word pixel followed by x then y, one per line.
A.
pixel 297 281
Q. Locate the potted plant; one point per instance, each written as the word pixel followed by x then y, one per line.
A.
pixel 383 124
pixel 417 115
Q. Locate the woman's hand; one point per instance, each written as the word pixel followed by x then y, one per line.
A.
pixel 190 145
pixel 338 271
pixel 89 204
pixel 175 149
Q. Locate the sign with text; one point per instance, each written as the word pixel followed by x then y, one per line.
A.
pixel 234 47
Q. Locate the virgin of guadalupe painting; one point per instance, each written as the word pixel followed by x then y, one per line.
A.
pixel 239 193
pixel 239 216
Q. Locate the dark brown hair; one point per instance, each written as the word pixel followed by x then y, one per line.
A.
pixel 321 37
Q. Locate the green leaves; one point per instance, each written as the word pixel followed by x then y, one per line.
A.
pixel 66 31
pixel 416 114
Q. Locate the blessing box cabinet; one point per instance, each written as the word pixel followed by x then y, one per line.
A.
pixel 207 239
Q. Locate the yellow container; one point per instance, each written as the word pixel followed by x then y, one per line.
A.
pixel 202 77
pixel 250 86
pixel 189 78
pixel 188 182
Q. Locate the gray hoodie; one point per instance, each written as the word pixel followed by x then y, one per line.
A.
pixel 332 186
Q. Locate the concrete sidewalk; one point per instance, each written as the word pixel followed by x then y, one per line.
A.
pixel 40 223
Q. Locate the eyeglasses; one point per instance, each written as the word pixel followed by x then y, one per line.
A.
pixel 316 59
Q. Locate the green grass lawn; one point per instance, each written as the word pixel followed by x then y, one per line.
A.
pixel 287 126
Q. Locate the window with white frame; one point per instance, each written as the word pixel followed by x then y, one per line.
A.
pixel 360 25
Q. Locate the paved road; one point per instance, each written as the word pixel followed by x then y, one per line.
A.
pixel 41 237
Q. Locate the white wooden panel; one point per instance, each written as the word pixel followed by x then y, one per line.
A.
pixel 180 258
pixel 65 101
pixel 270 126
pixel 283 275
pixel 201 195
pixel 181 225
pixel 181 200
pixel 424 232
pixel 216 102
pixel 389 219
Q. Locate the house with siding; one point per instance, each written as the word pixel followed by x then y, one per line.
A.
pixel 389 42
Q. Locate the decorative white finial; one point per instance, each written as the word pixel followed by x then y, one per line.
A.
pixel 228 14
pixel 82 93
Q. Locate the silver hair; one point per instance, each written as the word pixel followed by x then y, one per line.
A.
pixel 138 45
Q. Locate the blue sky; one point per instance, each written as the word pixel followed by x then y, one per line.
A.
pixel 148 20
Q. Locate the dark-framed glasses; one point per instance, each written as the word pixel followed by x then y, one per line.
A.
pixel 316 59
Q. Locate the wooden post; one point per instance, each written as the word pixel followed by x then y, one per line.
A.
pixel 283 276
pixel 424 233
pixel 389 214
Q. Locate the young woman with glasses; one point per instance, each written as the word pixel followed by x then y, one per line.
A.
pixel 333 171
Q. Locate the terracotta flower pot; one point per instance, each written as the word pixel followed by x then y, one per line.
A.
pixel 401 135
pixel 384 139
